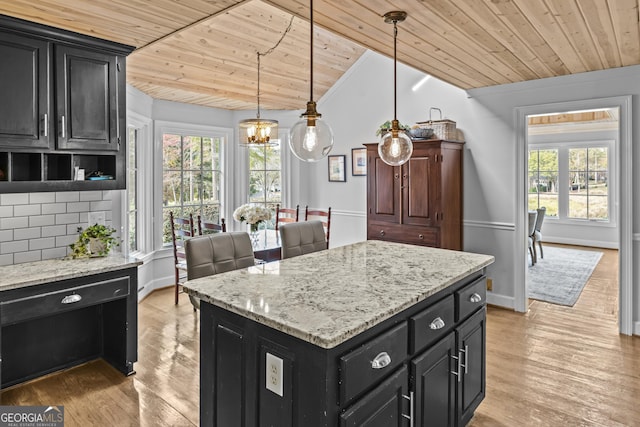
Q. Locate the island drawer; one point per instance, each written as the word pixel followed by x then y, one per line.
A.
pixel 48 303
pixel 470 298
pixel 377 358
pixel 414 235
pixel 432 323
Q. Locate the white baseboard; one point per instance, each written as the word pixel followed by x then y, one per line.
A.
pixel 500 300
pixel 636 328
pixel 158 283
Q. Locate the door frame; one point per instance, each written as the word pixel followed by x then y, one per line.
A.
pixel 625 199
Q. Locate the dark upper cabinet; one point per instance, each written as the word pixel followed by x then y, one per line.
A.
pixel 63 107
pixel 24 92
pixel 86 99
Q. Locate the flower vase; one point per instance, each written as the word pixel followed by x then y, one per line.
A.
pixel 253 233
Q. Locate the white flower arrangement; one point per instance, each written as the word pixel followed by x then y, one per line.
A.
pixel 252 214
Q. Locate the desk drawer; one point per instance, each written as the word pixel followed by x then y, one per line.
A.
pixel 366 365
pixel 470 298
pixel 45 304
pixel 432 323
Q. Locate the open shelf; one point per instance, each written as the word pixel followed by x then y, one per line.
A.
pixel 57 167
pixel 26 167
pixel 102 164
pixel 4 166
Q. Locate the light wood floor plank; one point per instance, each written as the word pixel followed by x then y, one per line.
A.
pixel 553 366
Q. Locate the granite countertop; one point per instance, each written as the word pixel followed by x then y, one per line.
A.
pixel 39 272
pixel 330 296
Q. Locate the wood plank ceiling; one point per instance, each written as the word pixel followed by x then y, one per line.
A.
pixel 204 51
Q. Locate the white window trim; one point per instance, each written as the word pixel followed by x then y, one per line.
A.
pixel 563 147
pixel 145 198
pixel 226 160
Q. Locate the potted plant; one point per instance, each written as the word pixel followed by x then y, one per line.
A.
pixel 94 241
pixel 386 127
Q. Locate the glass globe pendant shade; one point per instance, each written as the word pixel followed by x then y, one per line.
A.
pixel 311 139
pixel 395 150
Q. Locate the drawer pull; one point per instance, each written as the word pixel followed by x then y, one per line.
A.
pixel 475 298
pixel 382 232
pixel 437 323
pixel 70 299
pixel 421 236
pixel 382 360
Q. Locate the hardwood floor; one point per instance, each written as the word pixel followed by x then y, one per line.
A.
pixel 554 366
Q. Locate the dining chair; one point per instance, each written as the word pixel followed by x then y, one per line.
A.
pixel 530 238
pixel 207 227
pixel 537 234
pixel 321 215
pixel 182 229
pixel 217 253
pixel 299 238
pixel 286 215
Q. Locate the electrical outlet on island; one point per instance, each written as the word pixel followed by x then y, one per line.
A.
pixel 274 374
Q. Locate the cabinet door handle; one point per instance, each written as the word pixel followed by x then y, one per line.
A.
pixel 458 367
pixel 46 124
pixel 410 416
pixel 63 127
pixel 475 298
pixel 381 360
pixel 437 323
pixel 382 232
pixel 70 299
pixel 466 359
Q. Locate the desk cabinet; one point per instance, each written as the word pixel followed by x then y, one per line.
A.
pixel 56 325
pixel 419 202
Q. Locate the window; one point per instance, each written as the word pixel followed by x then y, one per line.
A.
pixel 543 180
pixel 588 181
pixel 191 177
pixel 132 190
pixel 265 183
pixel 571 180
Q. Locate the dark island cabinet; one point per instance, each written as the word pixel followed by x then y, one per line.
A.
pixel 425 366
pixel 63 109
pixel 419 202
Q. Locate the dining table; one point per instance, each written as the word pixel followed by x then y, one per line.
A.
pixel 266 246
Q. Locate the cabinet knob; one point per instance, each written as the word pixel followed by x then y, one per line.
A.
pixel 475 298
pixel 437 323
pixel 421 236
pixel 382 232
pixel 382 360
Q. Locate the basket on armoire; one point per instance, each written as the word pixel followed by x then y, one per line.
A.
pixel 442 128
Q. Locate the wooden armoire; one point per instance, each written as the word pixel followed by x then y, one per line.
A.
pixel 419 202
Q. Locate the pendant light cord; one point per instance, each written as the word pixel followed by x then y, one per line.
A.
pixel 267 52
pixel 395 66
pixel 311 51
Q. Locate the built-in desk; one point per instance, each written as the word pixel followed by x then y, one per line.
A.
pixel 375 333
pixel 59 313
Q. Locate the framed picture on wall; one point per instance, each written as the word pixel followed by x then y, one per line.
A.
pixel 336 168
pixel 358 161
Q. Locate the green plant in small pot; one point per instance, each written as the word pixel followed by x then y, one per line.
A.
pixel 386 127
pixel 94 241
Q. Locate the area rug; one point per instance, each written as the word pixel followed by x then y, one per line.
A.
pixel 560 277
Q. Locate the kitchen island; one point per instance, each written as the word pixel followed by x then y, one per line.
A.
pixel 58 313
pixel 374 332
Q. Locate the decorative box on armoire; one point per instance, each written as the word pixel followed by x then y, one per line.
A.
pixel 419 202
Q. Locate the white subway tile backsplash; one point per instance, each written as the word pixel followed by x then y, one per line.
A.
pixel 43 243
pixel 14 222
pixel 14 246
pixel 38 226
pixel 54 230
pixel 6 211
pixel 54 253
pixel 54 208
pixel 68 218
pixel 30 256
pixel 68 196
pixel 90 196
pixel 78 207
pixel 26 210
pixel 26 233
pixel 42 220
pixel 42 197
pixel 14 199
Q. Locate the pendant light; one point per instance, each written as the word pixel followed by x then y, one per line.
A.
pixel 257 132
pixel 395 147
pixel 311 139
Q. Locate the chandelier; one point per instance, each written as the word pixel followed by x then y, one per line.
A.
pixel 258 131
